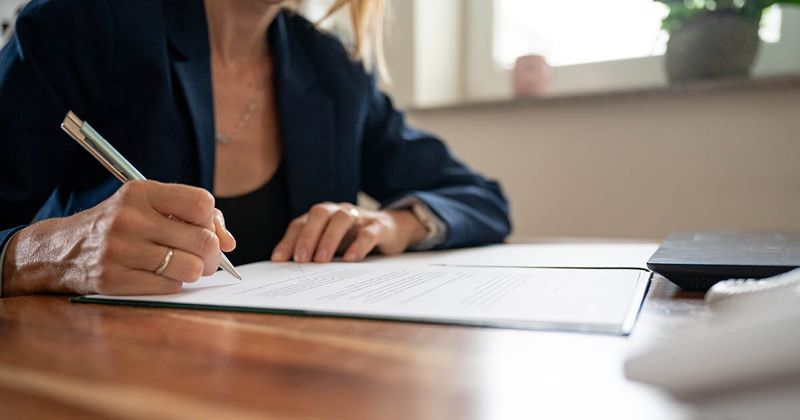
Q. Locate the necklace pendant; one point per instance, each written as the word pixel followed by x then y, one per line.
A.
pixel 222 138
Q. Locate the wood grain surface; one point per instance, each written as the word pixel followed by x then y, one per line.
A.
pixel 66 360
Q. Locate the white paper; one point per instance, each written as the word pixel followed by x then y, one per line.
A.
pixel 561 299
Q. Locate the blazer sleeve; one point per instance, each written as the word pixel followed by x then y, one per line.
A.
pixel 58 59
pixel 398 160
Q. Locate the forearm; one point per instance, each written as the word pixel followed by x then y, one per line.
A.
pixel 399 161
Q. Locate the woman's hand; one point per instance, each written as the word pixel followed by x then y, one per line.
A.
pixel 116 246
pixel 329 228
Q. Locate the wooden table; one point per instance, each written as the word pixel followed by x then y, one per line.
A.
pixel 68 360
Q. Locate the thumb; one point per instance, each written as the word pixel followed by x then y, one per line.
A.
pixel 226 241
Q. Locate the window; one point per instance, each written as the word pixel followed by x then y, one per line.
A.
pixel 578 31
pixel 451 51
pixel 588 31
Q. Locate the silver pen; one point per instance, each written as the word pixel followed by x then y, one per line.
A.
pixel 112 160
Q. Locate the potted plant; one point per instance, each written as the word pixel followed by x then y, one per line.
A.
pixel 713 38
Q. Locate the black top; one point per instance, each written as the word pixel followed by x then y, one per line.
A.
pixel 257 219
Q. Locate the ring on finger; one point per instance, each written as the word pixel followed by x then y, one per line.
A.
pixel 354 212
pixel 165 262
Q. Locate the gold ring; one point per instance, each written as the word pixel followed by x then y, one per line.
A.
pixel 163 267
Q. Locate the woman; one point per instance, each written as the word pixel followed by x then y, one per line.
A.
pixel 237 97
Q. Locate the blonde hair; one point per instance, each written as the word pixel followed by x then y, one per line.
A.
pixel 366 18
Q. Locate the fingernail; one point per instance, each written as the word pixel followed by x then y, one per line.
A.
pixel 350 256
pixel 301 255
pixel 322 255
pixel 278 255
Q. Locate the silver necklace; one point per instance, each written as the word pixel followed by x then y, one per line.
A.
pixel 223 138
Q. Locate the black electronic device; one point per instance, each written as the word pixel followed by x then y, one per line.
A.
pixel 697 260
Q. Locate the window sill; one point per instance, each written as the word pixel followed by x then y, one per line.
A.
pixel 719 86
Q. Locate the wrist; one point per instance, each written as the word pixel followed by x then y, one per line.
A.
pixel 409 226
pixel 22 275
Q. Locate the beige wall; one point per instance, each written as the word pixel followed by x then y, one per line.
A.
pixel 637 167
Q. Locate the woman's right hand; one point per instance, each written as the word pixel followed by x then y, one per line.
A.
pixel 116 246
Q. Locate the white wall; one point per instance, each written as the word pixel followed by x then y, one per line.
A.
pixel 8 7
pixel 7 13
pixel 637 166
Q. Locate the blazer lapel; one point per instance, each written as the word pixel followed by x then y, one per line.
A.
pixel 307 122
pixel 188 38
pixel 306 113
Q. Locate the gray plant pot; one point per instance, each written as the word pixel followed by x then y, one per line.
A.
pixel 712 45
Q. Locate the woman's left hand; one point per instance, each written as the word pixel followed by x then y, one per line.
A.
pixel 329 228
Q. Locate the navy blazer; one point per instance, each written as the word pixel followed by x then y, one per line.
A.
pixel 139 72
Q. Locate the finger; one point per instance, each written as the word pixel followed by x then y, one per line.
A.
pixel 318 218
pixel 349 237
pixel 137 282
pixel 283 251
pixel 341 222
pixel 365 241
pixel 227 242
pixel 182 236
pixel 183 266
pixel 190 204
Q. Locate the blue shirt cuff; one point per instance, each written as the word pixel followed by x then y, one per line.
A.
pixel 3 256
pixel 3 262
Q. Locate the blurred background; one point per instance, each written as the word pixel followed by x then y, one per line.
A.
pixel 613 119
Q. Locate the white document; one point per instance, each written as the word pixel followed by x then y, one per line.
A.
pixel 593 300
